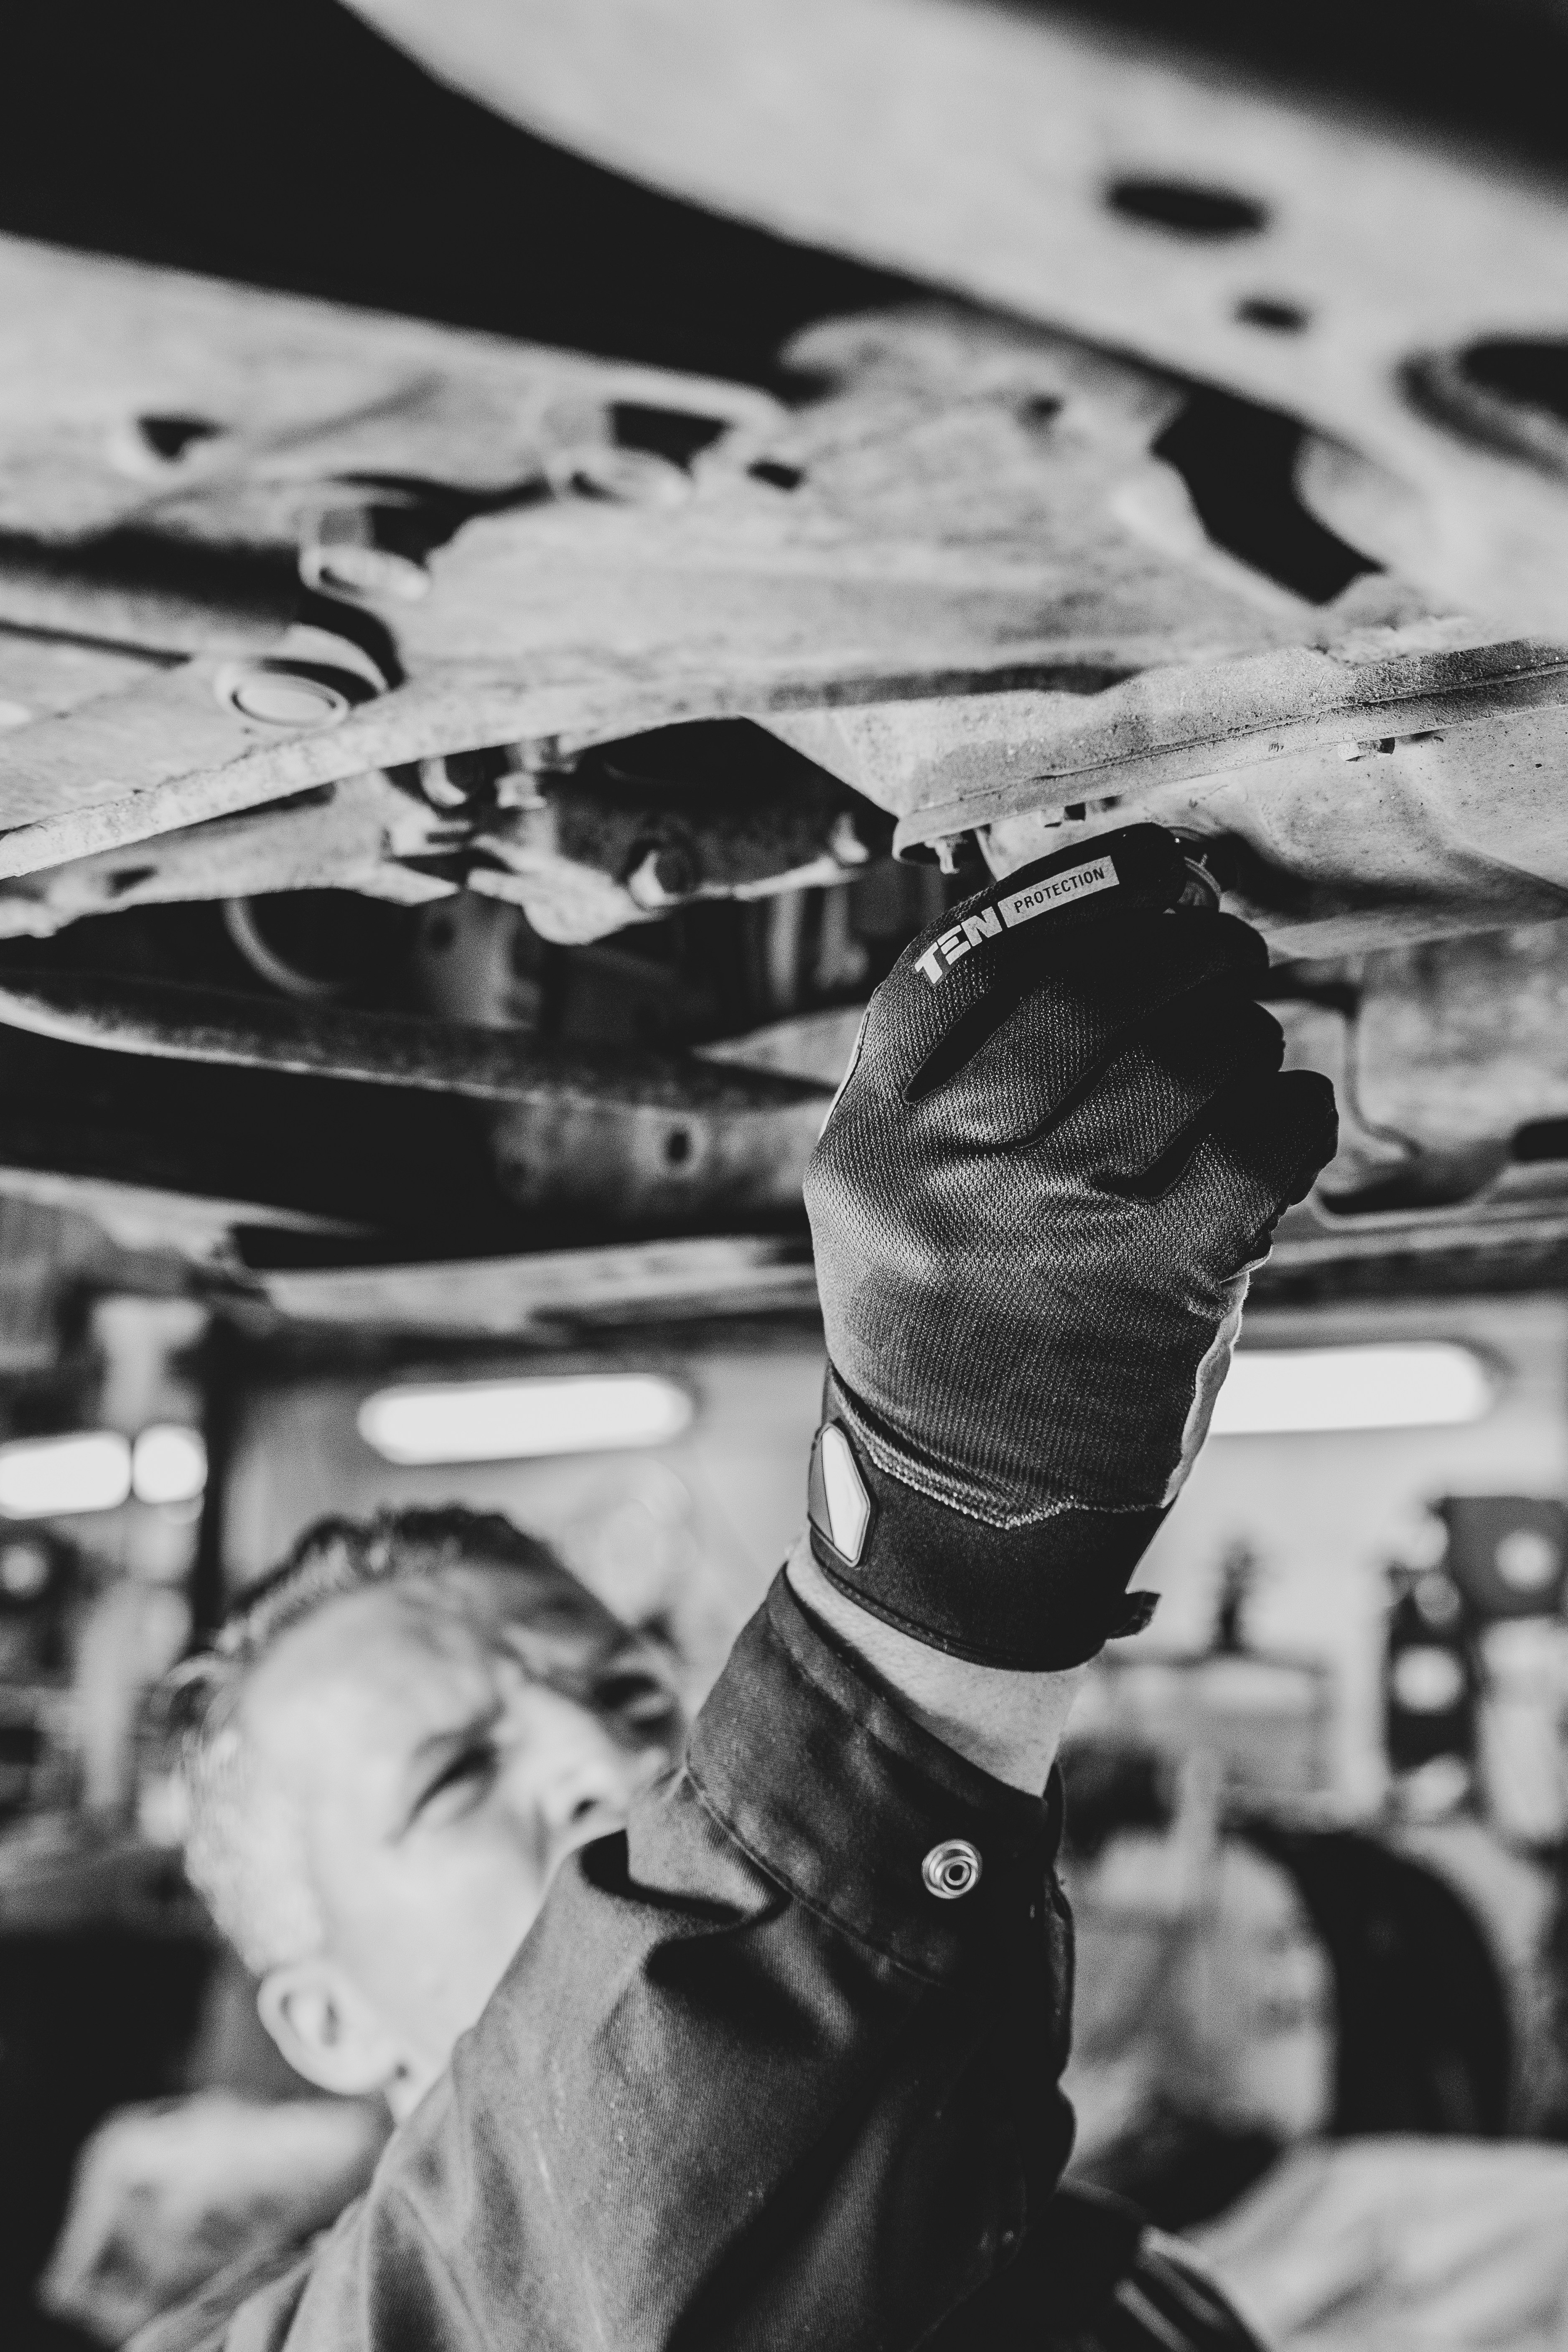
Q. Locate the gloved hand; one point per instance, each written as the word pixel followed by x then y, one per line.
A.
pixel 1063 1143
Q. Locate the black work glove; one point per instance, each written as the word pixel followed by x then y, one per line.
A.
pixel 1063 1144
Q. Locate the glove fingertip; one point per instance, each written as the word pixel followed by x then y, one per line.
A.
pixel 1298 1134
pixel 1312 1118
pixel 1281 1131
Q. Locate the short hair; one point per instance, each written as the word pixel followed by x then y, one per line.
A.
pixel 244 1852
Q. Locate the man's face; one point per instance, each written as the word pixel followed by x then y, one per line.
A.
pixel 436 1786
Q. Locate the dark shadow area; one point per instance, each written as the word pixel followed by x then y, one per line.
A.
pixel 1489 69
pixel 1534 373
pixel 1214 215
pixel 1238 462
pixel 89 2020
pixel 293 149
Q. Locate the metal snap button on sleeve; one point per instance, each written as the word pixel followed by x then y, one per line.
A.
pixel 951 1869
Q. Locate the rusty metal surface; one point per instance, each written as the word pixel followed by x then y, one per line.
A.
pixel 168 1021
pixel 1343 845
pixel 1450 1063
pixel 535 1295
pixel 968 577
pixel 1245 518
pixel 184 1155
pixel 960 506
pixel 670 818
pixel 165 1223
pixel 359 835
pixel 1320 257
pixel 1464 1042
pixel 637 1139
pixel 143 400
pixel 635 1166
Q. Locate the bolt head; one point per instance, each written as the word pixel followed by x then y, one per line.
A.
pixel 279 695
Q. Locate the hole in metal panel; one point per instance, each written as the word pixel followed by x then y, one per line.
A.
pixel 1187 207
pixel 1542 1140
pixel 1275 317
pixel 669 433
pixel 778 477
pixel 1238 462
pixel 172 437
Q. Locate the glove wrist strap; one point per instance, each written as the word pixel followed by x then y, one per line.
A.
pixel 1039 1597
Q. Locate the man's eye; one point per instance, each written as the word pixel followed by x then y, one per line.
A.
pixel 644 1706
pixel 463 1776
pixel 630 1692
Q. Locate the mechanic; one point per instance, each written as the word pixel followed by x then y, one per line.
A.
pixel 778 2063
pixel 446 1654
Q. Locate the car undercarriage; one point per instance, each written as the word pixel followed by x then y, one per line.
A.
pixel 459 792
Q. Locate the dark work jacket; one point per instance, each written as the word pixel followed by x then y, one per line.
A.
pixel 748 2083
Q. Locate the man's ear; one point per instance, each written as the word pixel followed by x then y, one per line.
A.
pixel 326 2029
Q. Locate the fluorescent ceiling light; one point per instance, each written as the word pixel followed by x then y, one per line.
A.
pixel 1426 1384
pixel 168 1464
pixel 55 1477
pixel 510 1421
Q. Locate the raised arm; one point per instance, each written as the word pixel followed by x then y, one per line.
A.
pixel 780 2065
pixel 1063 1144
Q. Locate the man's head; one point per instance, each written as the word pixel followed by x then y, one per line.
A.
pixel 391 1743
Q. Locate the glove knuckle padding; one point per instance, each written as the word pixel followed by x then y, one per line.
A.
pixel 1033 1205
pixel 1083 995
pixel 1144 1119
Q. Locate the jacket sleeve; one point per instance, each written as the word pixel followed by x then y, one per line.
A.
pixel 750 2079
